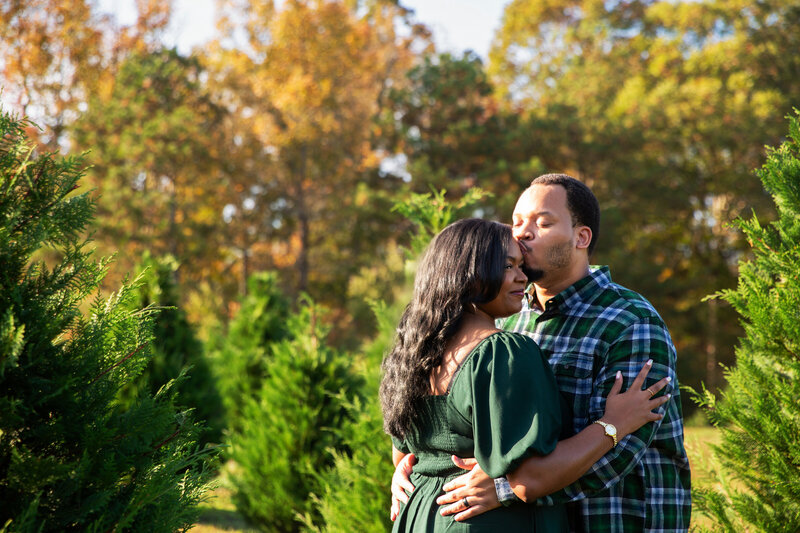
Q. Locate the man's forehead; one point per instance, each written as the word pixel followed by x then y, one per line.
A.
pixel 541 199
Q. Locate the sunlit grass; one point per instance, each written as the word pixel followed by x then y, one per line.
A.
pixel 697 440
pixel 219 514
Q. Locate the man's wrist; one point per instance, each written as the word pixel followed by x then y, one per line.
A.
pixel 505 495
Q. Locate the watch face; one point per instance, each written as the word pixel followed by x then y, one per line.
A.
pixel 611 430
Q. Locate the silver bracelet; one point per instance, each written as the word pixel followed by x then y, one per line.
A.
pixel 505 495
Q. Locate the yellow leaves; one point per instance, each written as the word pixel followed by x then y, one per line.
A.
pixel 629 100
pixel 318 77
pixel 684 16
pixel 765 102
pixel 664 58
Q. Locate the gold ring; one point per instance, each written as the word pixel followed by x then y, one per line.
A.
pixel 651 392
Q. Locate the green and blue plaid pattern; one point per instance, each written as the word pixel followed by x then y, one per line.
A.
pixel 589 332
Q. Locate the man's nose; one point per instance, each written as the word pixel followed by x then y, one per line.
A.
pixel 525 234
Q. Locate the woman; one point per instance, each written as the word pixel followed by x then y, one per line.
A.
pixel 455 385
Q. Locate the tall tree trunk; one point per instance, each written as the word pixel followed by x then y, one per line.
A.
pixel 245 270
pixel 304 223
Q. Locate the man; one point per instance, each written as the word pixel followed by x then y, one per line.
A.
pixel 589 328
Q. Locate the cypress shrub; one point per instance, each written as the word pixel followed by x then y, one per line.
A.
pixel 758 414
pixel 70 459
pixel 354 494
pixel 239 357
pixel 175 349
pixel 288 425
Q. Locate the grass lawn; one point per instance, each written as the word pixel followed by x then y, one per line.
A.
pixel 219 513
pixel 696 441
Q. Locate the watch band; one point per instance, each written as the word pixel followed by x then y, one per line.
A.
pixel 610 430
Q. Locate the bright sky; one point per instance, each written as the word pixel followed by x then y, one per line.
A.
pixel 457 24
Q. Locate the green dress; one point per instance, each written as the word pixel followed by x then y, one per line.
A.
pixel 501 407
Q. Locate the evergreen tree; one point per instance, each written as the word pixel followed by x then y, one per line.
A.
pixel 758 413
pixel 240 357
pixel 70 460
pixel 289 424
pixel 175 349
pixel 354 494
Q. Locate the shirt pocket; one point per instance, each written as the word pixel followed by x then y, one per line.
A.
pixel 574 374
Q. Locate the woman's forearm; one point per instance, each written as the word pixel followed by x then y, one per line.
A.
pixel 541 475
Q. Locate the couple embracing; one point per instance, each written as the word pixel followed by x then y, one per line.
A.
pixel 552 386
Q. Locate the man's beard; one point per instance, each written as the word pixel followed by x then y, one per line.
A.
pixel 534 274
pixel 557 256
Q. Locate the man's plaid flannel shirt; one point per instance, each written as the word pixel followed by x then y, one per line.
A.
pixel 589 331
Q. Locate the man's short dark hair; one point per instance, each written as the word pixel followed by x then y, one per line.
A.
pixel 581 202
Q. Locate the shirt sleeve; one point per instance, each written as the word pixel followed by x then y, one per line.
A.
pixel 400 445
pixel 643 340
pixel 509 394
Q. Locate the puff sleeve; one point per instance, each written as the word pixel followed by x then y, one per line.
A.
pixel 508 393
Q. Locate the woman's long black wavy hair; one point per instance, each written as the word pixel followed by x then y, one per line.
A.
pixel 464 264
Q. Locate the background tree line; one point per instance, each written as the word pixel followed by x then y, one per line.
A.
pixel 258 178
pixel 281 145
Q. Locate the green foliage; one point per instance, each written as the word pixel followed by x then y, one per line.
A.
pixel 289 425
pixel 354 495
pixel 240 357
pixel 175 348
pixel 154 139
pixel 456 135
pixel 758 413
pixel 430 213
pixel 70 460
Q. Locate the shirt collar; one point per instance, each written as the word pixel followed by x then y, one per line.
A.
pixel 581 290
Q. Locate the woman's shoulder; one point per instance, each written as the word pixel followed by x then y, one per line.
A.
pixel 507 340
pixel 501 347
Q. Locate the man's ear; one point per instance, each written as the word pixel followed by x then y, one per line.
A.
pixel 583 236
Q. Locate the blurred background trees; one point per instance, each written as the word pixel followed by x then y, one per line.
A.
pixel 264 165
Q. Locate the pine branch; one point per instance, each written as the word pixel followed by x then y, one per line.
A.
pixel 39 213
pixel 165 441
pixel 115 365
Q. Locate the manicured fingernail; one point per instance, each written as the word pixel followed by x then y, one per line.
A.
pixel 649 362
pixel 669 396
pixel 619 374
pixel 669 379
